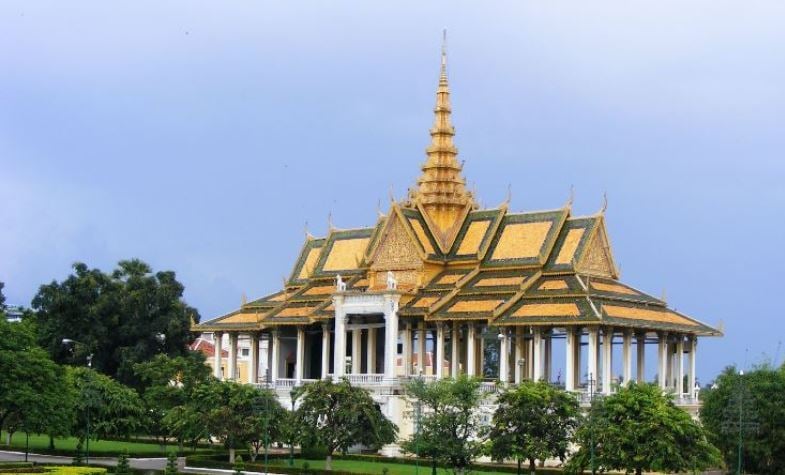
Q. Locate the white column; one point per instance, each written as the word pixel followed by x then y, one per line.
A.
pixel 232 357
pixel 455 350
pixel 438 360
pixel 662 359
pixel 218 356
pixel 421 348
pixel 504 356
pixel 576 356
pixel 339 356
pixel 471 347
pixel 390 335
pixel 406 358
pixel 537 353
pixel 370 351
pixel 569 358
pixel 626 356
pixel 548 355
pixel 276 355
pixel 325 350
pixel 299 357
pixel 253 371
pixel 519 362
pixel 591 357
pixel 640 373
pixel 607 359
pixel 693 354
pixel 357 350
pixel 680 366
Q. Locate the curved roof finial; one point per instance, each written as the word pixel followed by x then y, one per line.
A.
pixel 604 203
pixel 330 226
pixel 308 234
pixel 571 198
pixel 444 54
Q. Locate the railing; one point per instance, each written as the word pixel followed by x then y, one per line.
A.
pixel 373 379
pixel 283 383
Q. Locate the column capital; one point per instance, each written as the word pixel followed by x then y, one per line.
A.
pixel 218 334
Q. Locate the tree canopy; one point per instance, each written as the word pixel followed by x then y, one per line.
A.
pixel 748 408
pixel 336 416
pixel 640 429
pixel 117 317
pixel 168 383
pixel 450 427
pixel 533 421
pixel 34 394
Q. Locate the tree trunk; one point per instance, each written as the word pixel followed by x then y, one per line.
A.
pixel 638 471
pixel 532 467
pixel 231 455
pixel 8 439
pixel 519 467
pixel 433 466
pixel 51 443
pixel 328 462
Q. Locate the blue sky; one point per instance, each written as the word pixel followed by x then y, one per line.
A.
pixel 201 136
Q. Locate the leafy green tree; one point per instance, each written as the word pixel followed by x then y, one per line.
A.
pixel 230 412
pixel 118 317
pixel 450 429
pixel 106 406
pixel 2 300
pixel 533 421
pixel 34 394
pixel 748 411
pixel 168 383
pixel 640 429
pixel 338 415
pixel 123 466
pixel 171 464
pixel 238 466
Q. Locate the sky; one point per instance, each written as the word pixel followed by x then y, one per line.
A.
pixel 201 137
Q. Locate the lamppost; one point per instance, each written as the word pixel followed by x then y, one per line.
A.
pixel 741 421
pixel 417 418
pixel 591 383
pixel 70 342
pixel 258 406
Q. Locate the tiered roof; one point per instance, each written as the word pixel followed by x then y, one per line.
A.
pixel 455 262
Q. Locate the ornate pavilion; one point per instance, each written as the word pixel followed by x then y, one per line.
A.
pixel 418 293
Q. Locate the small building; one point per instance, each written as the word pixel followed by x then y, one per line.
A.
pixel 13 313
pixel 432 285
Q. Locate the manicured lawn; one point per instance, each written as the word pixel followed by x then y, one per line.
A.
pixel 371 467
pixel 40 443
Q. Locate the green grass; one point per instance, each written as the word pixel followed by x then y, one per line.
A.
pixel 371 467
pixel 40 444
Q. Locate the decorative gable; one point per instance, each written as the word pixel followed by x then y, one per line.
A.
pixel 396 252
pixel 597 258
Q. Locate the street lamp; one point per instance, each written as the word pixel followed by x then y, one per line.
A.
pixel 591 382
pixel 73 343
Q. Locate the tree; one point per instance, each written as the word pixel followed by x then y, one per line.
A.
pixel 230 412
pixel 450 428
pixel 118 318
pixel 533 421
pixel 168 383
pixel 34 394
pixel 123 467
pixel 171 464
pixel 107 407
pixel 640 429
pixel 338 415
pixel 745 417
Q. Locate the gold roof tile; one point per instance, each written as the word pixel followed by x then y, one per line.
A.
pixel 500 281
pixel 567 251
pixel 241 318
pixel 521 240
pixel 419 231
pixel 345 254
pixel 463 306
pixel 450 279
pixel 547 310
pixel 322 290
pixel 310 263
pixel 616 288
pixel 295 311
pixel 661 315
pixel 555 284
pixel 425 302
pixel 470 244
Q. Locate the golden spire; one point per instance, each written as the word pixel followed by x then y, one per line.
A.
pixel 441 189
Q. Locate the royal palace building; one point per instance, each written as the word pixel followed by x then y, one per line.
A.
pixel 439 287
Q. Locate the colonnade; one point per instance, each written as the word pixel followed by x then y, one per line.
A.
pixel 456 347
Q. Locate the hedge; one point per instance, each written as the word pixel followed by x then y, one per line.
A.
pixel 222 462
pixel 60 470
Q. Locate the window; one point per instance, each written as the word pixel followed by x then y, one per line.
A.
pixel 245 351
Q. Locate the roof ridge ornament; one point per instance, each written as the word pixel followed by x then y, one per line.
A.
pixel 570 198
pixel 604 207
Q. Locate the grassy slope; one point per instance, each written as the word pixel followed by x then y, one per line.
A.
pixel 372 467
